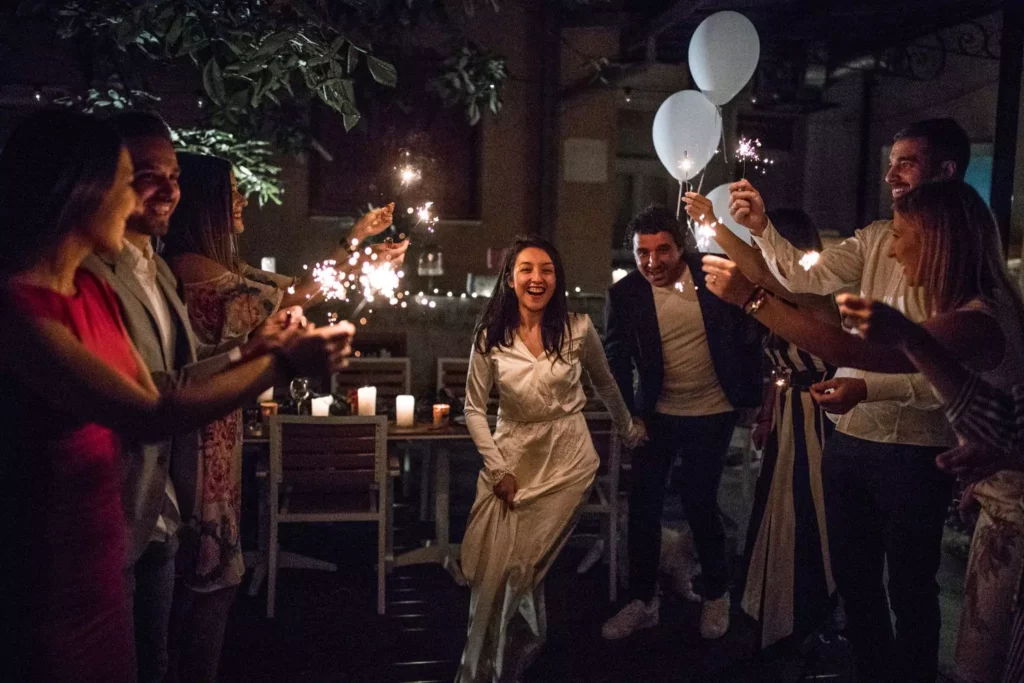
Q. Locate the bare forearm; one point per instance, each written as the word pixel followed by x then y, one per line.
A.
pixel 828 342
pixel 935 362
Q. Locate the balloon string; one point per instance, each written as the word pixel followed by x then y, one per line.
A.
pixel 725 149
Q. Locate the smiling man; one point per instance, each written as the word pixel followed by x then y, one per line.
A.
pixel 698 362
pixel 885 500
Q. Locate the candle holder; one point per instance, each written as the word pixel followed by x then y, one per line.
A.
pixel 441 414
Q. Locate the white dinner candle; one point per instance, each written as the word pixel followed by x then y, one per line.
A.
pixel 368 401
pixel 322 406
pixel 267 395
pixel 405 405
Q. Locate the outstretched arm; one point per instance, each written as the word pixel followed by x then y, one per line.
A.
pixel 593 360
pixel 618 348
pixel 837 267
pixel 751 262
pixel 967 334
pixel 46 356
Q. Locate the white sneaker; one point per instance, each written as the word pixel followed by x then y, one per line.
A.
pixel 633 617
pixel 714 617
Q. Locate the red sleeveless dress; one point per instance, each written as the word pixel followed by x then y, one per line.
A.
pixel 63 528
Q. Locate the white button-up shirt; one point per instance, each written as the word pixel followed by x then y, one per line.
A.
pixel 143 262
pixel 899 409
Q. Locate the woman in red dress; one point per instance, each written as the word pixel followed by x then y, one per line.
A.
pixel 70 381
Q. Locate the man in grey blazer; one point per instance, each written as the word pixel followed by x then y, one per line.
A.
pixel 158 478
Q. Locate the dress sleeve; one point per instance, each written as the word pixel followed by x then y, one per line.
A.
pixel 267 277
pixel 596 364
pixel 479 381
pixel 837 267
pixel 247 305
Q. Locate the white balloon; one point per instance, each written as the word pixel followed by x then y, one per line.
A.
pixel 719 198
pixel 686 132
pixel 723 55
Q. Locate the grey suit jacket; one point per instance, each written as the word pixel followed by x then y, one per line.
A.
pixel 146 466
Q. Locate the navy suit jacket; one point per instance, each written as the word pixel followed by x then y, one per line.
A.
pixel 633 339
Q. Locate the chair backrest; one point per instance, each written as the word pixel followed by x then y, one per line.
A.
pixel 451 377
pixel 391 376
pixel 328 454
pixel 606 443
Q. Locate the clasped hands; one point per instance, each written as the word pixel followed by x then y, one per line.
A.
pixel 307 349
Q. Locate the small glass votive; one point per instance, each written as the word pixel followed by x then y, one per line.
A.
pixel 268 409
pixel 441 411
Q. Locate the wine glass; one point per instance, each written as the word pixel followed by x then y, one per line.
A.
pixel 299 389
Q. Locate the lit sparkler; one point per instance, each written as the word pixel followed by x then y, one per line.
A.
pixel 425 215
pixel 748 151
pixel 409 174
pixel 704 234
pixel 809 259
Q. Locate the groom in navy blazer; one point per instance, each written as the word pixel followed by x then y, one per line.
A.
pixel 698 362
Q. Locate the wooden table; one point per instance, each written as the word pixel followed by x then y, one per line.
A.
pixel 426 441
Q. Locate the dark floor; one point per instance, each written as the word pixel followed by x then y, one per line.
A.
pixel 327 630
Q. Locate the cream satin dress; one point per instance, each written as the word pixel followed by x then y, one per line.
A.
pixel 542 440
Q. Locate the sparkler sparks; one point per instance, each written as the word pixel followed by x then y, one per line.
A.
pixel 809 259
pixel 748 151
pixel 425 215
pixel 409 174
pixel 704 234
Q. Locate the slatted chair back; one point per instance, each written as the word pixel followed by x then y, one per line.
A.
pixel 328 470
pixel 451 377
pixel 391 376
pixel 346 455
pixel 606 442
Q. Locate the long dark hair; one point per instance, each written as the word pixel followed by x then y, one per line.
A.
pixel 202 223
pixel 962 254
pixel 500 318
pixel 55 170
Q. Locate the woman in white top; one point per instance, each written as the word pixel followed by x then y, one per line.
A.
pixel 947 243
pixel 540 462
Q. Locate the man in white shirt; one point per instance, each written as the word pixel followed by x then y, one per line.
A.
pixel 885 499
pixel 698 361
pixel 158 479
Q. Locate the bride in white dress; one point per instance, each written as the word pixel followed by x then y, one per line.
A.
pixel 540 462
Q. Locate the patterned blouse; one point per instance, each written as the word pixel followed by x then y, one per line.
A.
pixel 226 307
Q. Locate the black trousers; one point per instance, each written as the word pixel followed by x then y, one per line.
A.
pixel 886 505
pixel 701 444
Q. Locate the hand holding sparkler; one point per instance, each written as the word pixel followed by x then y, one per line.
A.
pixel 747 207
pixel 374 222
pixel 726 281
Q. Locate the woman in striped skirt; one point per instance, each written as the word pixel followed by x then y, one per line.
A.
pixel 789 583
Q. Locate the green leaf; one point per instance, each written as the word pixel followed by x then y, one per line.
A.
pixel 353 57
pixel 350 121
pixel 213 82
pixel 174 32
pixel 382 72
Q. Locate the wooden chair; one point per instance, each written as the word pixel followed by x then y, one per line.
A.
pixel 329 469
pixel 604 498
pixel 391 376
